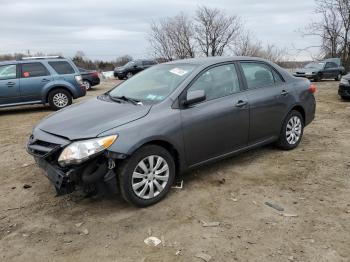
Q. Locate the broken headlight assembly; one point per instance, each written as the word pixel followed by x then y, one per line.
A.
pixel 80 151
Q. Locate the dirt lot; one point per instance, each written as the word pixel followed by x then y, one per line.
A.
pixel 311 182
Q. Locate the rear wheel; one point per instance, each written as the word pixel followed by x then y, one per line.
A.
pixel 87 85
pixel 147 176
pixel 292 131
pixel 59 98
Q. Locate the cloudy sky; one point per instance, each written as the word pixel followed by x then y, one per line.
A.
pixel 105 29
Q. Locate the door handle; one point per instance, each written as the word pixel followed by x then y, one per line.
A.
pixel 10 84
pixel 241 103
pixel 45 80
pixel 284 93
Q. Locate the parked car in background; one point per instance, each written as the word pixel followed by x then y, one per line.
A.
pixel 344 87
pixel 90 78
pixel 172 117
pixel 132 68
pixel 328 69
pixel 40 80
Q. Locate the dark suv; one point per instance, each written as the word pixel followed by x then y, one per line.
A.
pixel 132 68
pixel 40 80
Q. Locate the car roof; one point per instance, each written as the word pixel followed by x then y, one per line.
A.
pixel 207 61
pixel 15 62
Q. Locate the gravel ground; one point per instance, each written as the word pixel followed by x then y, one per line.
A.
pixel 311 183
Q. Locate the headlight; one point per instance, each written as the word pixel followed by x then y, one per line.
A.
pixel 80 151
pixel 344 81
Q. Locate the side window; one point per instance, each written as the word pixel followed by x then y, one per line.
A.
pixel 34 70
pixel 8 72
pixel 62 67
pixel 331 65
pixel 217 82
pixel 257 75
pixel 278 79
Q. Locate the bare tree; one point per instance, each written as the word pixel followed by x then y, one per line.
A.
pixel 245 45
pixel 333 28
pixel 214 30
pixel 172 38
pixel 180 33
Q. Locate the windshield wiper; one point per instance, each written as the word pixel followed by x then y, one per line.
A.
pixel 127 99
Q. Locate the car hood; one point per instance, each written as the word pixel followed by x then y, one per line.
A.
pixel 120 68
pixel 90 118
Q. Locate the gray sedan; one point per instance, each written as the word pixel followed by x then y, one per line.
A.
pixel 170 118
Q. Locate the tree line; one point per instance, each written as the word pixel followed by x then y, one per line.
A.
pixel 210 32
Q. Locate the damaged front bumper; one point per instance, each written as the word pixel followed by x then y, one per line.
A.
pixel 96 175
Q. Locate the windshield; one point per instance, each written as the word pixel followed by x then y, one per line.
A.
pixel 130 64
pixel 154 84
pixel 319 65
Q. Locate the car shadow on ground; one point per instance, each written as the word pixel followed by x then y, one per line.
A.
pixel 25 110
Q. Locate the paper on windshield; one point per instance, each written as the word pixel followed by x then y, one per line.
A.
pixel 178 71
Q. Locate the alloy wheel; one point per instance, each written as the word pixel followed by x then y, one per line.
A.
pixel 293 130
pixel 60 100
pixel 87 85
pixel 150 177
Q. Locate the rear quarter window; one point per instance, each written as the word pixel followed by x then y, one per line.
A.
pixel 62 67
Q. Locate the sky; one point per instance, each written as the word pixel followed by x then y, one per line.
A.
pixel 106 29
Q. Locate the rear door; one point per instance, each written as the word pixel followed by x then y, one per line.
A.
pixel 219 124
pixel 34 76
pixel 9 84
pixel 331 70
pixel 268 97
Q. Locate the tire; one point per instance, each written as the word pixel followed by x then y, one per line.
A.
pixel 317 78
pixel 129 75
pixel 346 98
pixel 59 98
pixel 288 142
pixel 143 181
pixel 338 77
pixel 87 85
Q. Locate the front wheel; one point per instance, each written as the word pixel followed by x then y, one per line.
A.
pixel 129 75
pixel 59 98
pixel 292 131
pixel 147 176
pixel 338 77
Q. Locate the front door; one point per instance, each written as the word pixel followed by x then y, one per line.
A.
pixel 219 124
pixel 9 85
pixel 34 76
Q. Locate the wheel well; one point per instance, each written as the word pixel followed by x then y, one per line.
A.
pixel 301 110
pixel 171 149
pixel 55 88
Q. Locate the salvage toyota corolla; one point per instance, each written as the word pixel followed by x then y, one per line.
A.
pixel 136 138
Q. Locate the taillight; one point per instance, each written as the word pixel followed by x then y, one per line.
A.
pixel 312 88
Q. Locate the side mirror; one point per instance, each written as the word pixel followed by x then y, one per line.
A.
pixel 194 97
